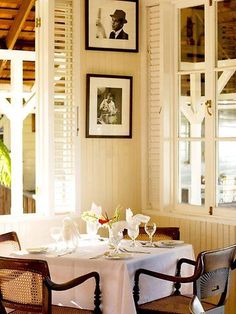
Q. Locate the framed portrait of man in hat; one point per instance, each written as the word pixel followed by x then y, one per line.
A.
pixel 111 25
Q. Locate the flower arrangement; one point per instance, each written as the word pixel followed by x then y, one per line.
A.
pixel 105 221
pixel 95 215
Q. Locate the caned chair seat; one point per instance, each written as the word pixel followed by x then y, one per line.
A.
pixel 172 304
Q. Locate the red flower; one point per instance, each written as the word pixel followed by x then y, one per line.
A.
pixel 103 221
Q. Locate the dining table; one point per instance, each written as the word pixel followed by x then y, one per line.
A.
pixel 116 272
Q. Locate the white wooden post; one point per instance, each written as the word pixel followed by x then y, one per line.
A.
pixel 16 113
pixel 16 136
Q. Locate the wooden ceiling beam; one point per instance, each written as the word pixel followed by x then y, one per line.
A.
pixel 18 23
pixel 8 22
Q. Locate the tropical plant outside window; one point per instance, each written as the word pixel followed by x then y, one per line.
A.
pixel 5 165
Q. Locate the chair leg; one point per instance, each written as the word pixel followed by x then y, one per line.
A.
pixel 97 298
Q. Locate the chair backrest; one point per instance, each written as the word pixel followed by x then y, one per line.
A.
pixel 25 285
pixel 22 285
pixel 162 233
pixel 9 242
pixel 215 268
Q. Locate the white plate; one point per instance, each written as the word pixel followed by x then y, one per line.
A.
pixel 118 256
pixel 169 243
pixel 37 250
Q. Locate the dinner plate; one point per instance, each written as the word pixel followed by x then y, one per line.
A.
pixel 169 243
pixel 118 256
pixel 37 250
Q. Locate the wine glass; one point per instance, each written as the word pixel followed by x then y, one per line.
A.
pixel 133 232
pixel 150 229
pixel 56 234
pixel 114 240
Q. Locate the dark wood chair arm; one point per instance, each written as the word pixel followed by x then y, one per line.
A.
pixel 72 283
pixel 165 276
pixel 177 280
pixel 180 262
pixel 77 281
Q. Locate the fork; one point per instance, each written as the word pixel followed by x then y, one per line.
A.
pixel 130 251
pixel 65 253
pixel 97 256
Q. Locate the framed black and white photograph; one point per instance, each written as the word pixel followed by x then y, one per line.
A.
pixel 112 25
pixel 109 106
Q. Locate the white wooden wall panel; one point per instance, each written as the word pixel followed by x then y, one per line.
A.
pixel 154 121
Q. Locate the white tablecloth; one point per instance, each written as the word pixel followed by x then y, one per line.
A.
pixel 117 276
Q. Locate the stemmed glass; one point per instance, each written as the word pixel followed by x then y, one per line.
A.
pixel 150 229
pixel 133 232
pixel 56 234
pixel 114 241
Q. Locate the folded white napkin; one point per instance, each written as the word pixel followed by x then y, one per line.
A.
pixel 133 220
pixel 96 209
pixel 70 231
pixel 118 226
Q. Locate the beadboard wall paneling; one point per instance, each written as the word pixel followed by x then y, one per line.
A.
pixel 110 168
pixel 205 235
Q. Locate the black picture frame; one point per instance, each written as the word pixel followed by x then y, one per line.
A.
pixel 109 106
pixel 98 19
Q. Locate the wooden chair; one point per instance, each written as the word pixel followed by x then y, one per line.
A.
pixel 210 279
pixel 26 287
pixel 162 233
pixel 195 306
pixel 9 242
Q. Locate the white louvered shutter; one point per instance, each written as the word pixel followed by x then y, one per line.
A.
pixel 154 106
pixel 64 107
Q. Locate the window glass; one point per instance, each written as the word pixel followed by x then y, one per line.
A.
pixel 226 103
pixel 191 104
pixel 192 34
pixel 226 30
pixel 192 172
pixel 226 183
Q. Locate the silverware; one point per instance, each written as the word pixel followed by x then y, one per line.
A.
pixel 65 253
pixel 131 251
pixel 97 256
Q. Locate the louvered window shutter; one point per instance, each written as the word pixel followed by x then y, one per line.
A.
pixel 154 106
pixel 64 108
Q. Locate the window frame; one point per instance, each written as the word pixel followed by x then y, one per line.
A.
pixel 210 140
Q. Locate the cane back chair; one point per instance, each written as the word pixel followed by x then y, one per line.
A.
pixel 26 287
pixel 162 233
pixel 9 242
pixel 210 279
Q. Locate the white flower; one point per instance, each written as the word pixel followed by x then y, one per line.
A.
pixel 93 214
